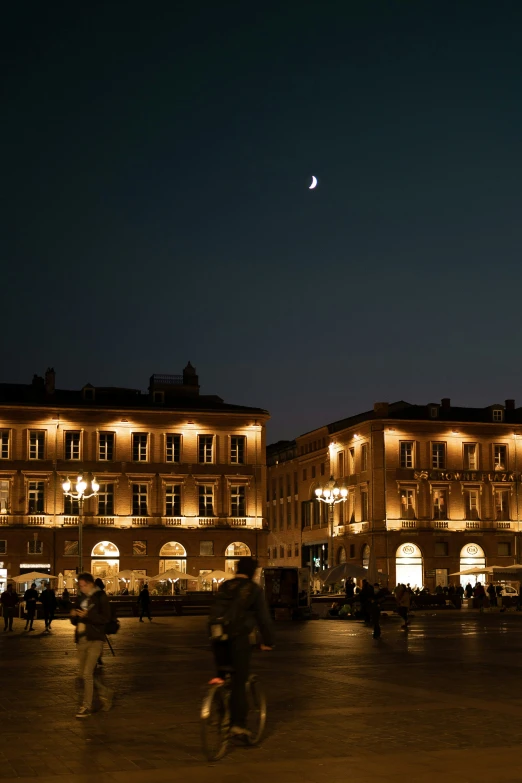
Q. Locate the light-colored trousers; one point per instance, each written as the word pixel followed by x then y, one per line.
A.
pixel 88 654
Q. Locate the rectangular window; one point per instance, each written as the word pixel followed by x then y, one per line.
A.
pixel 106 499
pixel 364 456
pixel 206 548
pixel 238 500
pixel 322 469
pixel 289 515
pixel 351 461
pixel 364 505
pixel 440 504
pixel 441 549
pixel 498 415
pixel 206 500
pixel 35 497
pixel 205 449
pixel 504 549
pixel 438 455
pixel 351 507
pixel 36 444
pixel 140 441
pixel 72 445
pixel 139 500
pixel 499 457
pixel 70 548
pixel 173 448
pixel 406 453
pixel 304 474
pixel 274 489
pixel 4 444
pixel 470 456
pixel 139 548
pixel 340 463
pixel 313 471
pixel 4 497
pixel 296 513
pixel 3 546
pixel 237 449
pixel 281 487
pixel 173 500
pixel 296 484
pixel 71 506
pixel 471 497
pixel 281 551
pixel 35 547
pixel 289 550
pixel 341 513
pixel 296 550
pixel 502 504
pixel 407 504
pixel 352 550
pixel 306 512
pixel 106 446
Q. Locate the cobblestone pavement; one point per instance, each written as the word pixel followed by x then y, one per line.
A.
pixel 441 701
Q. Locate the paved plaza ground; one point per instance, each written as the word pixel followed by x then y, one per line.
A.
pixel 442 702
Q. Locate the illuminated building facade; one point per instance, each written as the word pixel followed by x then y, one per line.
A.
pixel 182 478
pixel 432 489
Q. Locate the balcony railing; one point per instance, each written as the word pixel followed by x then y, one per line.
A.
pixel 61 520
pixel 140 521
pixel 105 520
pixel 70 520
pixel 409 524
pixel 472 525
pixel 440 524
pixel 503 525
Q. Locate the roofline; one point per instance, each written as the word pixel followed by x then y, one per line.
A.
pixel 157 409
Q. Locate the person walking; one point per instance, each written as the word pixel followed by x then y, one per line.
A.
pixel 366 597
pixel 9 600
pixel 144 603
pixel 48 599
pixel 469 590
pixel 403 599
pixel 90 615
pixel 238 609
pixel 30 598
pixel 479 595
pixel 100 584
pixel 492 595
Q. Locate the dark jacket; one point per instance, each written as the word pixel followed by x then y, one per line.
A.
pixel 256 610
pixel 30 598
pixel 144 597
pixel 48 599
pixel 98 615
pixel 9 599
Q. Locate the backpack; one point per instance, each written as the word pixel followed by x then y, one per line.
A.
pixel 229 613
pixel 113 626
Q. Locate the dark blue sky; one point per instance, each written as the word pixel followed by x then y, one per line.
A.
pixel 157 158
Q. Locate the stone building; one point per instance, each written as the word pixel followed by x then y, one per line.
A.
pixel 181 474
pixel 432 489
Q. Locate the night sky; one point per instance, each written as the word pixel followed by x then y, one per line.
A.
pixel 156 163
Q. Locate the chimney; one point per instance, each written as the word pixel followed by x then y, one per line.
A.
pixel 381 409
pixel 50 377
pixel 510 405
pixel 189 376
pixel 445 403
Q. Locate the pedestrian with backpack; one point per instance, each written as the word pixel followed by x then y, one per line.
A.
pixel 239 608
pixel 91 615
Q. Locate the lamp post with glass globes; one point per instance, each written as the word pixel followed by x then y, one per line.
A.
pixel 84 491
pixel 331 494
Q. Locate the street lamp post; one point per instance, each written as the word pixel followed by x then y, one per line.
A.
pixel 331 494
pixel 84 491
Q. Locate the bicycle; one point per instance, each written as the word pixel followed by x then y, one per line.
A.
pixel 215 716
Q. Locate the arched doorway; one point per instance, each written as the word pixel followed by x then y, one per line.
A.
pixel 472 556
pixel 233 552
pixel 105 560
pixel 408 565
pixel 173 555
pixel 341 555
pixel 366 556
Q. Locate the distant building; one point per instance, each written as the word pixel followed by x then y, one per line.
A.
pixel 182 477
pixel 432 489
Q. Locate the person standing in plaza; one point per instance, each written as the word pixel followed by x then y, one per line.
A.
pixel 366 597
pixel 30 598
pixel 144 603
pixel 90 615
pixel 9 600
pixel 492 595
pixel 48 599
pixel 403 599
pixel 479 595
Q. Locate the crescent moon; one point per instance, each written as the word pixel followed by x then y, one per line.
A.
pixel 314 183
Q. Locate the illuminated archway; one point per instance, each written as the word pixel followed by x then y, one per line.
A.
pixel 472 556
pixel 408 565
pixel 173 555
pixel 233 552
pixel 105 560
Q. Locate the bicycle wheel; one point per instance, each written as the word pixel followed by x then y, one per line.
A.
pixel 215 722
pixel 256 710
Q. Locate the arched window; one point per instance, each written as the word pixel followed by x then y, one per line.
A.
pixel 341 555
pixel 105 560
pixel 173 555
pixel 233 552
pixel 472 556
pixel 408 565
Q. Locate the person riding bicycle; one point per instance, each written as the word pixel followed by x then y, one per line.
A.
pixel 239 608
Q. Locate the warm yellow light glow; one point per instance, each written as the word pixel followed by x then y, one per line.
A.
pixel 336 491
pixel 95 486
pixel 318 492
pixel 66 486
pixel 81 485
pixel 344 492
